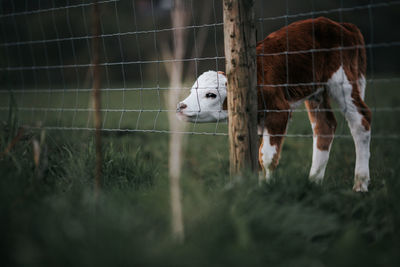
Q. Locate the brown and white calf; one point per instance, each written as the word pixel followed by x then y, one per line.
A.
pixel 308 61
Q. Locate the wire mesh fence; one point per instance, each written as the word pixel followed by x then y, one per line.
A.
pixel 46 60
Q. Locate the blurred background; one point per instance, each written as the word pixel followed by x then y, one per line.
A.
pixel 48 213
pixel 45 53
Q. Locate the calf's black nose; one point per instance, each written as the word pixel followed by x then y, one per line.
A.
pixel 181 106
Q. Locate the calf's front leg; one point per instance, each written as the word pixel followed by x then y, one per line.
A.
pixel 273 132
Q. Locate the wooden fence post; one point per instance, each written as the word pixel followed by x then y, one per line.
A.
pixel 240 58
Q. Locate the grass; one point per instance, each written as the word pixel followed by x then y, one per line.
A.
pixel 49 217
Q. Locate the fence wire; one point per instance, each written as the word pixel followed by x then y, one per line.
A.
pixel 46 60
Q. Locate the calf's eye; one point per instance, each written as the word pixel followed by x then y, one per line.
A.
pixel 211 95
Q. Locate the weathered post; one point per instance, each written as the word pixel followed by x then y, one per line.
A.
pixel 240 58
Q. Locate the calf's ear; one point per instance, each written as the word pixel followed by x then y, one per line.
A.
pixel 221 72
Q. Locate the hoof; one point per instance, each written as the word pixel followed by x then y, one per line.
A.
pixel 264 177
pixel 360 185
pixel 316 179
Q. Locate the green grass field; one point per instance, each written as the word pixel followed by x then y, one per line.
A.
pixel 49 217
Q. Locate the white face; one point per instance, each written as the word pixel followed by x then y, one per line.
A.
pixel 205 102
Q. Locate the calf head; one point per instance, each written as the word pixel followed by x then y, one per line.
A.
pixel 207 99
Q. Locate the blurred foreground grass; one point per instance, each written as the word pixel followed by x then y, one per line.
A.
pixel 49 218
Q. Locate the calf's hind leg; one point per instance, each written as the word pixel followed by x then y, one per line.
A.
pixel 323 124
pixel 359 122
pixel 358 117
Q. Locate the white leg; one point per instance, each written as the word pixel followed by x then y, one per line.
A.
pixel 267 154
pixel 323 124
pixel 362 139
pixel 341 90
pixel 319 160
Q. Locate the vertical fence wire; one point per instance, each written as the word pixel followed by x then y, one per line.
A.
pixel 96 94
